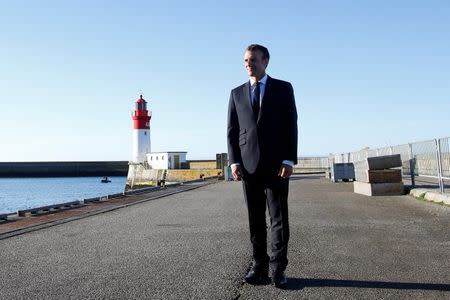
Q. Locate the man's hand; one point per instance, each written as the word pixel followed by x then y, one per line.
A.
pixel 236 172
pixel 285 171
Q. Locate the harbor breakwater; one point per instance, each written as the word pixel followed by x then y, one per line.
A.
pixel 140 176
pixel 63 169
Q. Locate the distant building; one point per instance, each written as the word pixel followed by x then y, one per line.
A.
pixel 167 160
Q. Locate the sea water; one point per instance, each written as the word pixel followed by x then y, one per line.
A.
pixel 24 193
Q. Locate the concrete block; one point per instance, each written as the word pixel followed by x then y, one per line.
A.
pixel 378 176
pixel 380 162
pixel 434 197
pixel 446 199
pixel 431 195
pixel 47 208
pixel 438 197
pixel 418 192
pixel 379 189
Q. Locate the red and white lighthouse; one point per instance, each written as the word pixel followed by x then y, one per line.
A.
pixel 141 131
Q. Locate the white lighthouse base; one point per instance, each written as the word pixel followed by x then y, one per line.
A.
pixel 141 145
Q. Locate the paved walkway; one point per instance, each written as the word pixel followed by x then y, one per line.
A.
pixel 194 245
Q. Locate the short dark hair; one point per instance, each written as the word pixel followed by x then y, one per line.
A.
pixel 264 50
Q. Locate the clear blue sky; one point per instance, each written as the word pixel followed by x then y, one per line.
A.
pixel 365 73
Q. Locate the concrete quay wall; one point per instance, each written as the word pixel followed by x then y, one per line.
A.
pixel 187 175
pixel 140 176
pixel 202 164
pixel 63 169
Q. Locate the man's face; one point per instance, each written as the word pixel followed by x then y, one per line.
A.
pixel 255 64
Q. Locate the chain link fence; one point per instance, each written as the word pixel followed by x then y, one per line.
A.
pixel 424 164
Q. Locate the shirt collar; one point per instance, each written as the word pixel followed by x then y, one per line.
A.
pixel 263 80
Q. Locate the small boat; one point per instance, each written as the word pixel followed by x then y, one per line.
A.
pixel 105 180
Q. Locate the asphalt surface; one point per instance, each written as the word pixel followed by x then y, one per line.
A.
pixel 194 245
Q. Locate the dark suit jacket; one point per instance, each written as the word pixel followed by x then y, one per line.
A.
pixel 269 139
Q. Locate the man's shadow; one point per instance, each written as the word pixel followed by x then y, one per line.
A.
pixel 301 283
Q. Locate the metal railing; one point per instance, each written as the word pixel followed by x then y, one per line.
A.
pixel 420 160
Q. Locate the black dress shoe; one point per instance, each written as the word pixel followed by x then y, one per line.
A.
pixel 257 276
pixel 279 280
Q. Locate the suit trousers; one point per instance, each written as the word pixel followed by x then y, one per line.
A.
pixel 263 189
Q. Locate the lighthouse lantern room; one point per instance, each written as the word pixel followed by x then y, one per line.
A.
pixel 141 131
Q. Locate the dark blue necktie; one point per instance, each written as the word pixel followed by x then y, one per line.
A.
pixel 256 99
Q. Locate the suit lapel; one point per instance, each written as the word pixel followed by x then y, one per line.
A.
pixel 247 94
pixel 247 100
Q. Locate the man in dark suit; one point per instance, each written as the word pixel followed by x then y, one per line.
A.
pixel 262 149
